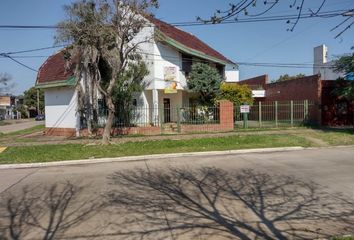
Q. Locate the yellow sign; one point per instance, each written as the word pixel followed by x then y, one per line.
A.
pixel 171 89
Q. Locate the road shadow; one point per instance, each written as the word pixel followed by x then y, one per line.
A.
pixel 210 203
pixel 45 212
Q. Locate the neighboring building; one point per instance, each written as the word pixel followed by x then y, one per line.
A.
pixel 326 109
pixel 322 66
pixel 169 61
pixel 8 105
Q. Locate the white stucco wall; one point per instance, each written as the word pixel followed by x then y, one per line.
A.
pixel 60 107
pixel 232 73
pixel 165 56
pixel 322 65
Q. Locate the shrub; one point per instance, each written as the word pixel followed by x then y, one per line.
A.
pixel 236 93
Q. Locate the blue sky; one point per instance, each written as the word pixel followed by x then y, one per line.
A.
pixel 246 42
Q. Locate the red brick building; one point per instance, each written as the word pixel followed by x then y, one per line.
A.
pixel 326 110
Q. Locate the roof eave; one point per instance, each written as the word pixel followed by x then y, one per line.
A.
pixel 164 38
pixel 70 82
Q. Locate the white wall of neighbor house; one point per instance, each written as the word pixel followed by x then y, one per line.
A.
pixel 232 73
pixel 322 65
pixel 60 108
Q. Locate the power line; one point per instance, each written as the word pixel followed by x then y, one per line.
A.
pixel 18 62
pixel 34 50
pixel 172 58
pixel 327 14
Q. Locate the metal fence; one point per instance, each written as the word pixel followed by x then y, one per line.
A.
pixel 140 120
pixel 169 120
pixel 275 114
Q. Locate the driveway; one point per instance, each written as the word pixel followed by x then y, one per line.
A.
pixel 20 125
pixel 304 194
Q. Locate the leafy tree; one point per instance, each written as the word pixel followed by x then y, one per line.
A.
pixel 30 98
pixel 236 93
pixel 204 80
pixel 103 35
pixel 345 64
pixel 345 89
pixel 22 110
pixel 130 82
pixel 287 77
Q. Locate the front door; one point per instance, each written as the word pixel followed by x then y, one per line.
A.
pixel 167 110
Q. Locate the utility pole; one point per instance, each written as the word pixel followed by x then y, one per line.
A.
pixel 38 112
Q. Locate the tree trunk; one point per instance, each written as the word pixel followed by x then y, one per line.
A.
pixel 106 137
pixel 88 106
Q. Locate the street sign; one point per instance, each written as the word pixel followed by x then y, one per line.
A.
pixel 245 109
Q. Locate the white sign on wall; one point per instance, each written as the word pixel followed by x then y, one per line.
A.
pixel 245 109
pixel 170 73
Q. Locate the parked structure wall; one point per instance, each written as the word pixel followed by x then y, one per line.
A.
pixel 60 109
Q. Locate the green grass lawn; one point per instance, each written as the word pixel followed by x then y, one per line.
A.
pixel 47 153
pixel 335 137
pixel 25 131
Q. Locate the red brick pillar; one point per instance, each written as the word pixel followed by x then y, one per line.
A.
pixel 226 115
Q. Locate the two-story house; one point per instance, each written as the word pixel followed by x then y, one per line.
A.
pixel 169 57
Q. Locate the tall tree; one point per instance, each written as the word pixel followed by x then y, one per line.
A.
pixel 204 80
pixel 105 35
pixel 30 98
pixel 345 64
pixel 345 89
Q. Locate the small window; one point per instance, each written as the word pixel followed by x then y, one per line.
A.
pixel 187 62
pixel 135 102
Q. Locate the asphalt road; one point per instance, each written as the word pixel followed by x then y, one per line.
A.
pixel 282 195
pixel 19 126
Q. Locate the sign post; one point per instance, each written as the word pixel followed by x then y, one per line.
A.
pixel 245 110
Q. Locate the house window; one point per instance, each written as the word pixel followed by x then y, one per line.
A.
pixel 221 70
pixel 187 62
pixel 135 102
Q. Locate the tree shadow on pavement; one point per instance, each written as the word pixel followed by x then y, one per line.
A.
pixel 210 203
pixel 45 212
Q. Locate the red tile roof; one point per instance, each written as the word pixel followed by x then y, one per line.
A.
pixel 53 69
pixel 187 39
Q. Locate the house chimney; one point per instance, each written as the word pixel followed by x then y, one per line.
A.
pixel 320 58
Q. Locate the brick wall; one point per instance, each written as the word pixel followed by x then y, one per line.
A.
pixel 226 121
pixel 256 81
pixel 65 132
pixel 335 111
pixel 306 88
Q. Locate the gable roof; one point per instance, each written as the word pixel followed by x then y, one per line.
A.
pixel 54 73
pixel 191 43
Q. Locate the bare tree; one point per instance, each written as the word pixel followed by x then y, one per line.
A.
pixel 254 10
pixel 211 203
pixel 106 40
pixel 5 83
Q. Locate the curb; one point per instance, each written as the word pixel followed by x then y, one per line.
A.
pixel 145 157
